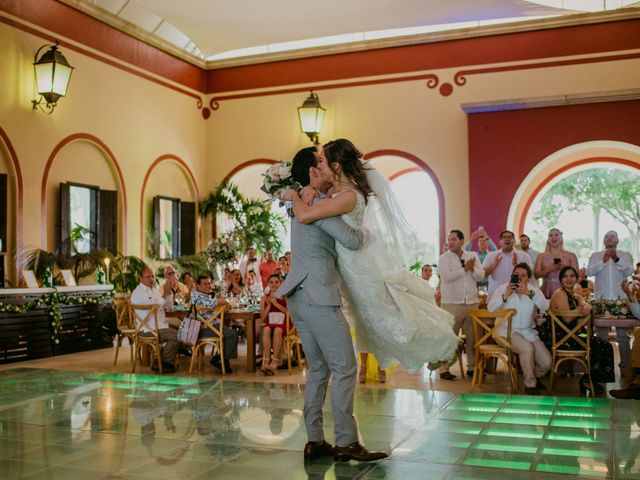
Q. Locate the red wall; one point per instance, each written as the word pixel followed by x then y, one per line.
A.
pixel 505 146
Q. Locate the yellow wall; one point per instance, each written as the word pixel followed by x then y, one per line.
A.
pixel 404 116
pixel 138 120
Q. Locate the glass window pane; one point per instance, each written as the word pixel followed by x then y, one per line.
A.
pixel 80 207
pixel 166 228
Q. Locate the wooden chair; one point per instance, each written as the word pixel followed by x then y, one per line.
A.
pixel 561 334
pixel 146 318
pixel 291 341
pixel 126 326
pixel 208 317
pixel 490 344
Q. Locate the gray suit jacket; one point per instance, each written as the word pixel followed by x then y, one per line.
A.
pixel 315 259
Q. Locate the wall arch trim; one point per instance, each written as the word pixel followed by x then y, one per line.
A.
pixel 184 167
pixel 561 163
pixel 426 168
pixel 87 137
pixel 13 158
pixel 248 163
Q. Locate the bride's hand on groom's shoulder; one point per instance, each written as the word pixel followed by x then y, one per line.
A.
pixel 307 194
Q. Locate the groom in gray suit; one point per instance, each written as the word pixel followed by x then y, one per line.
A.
pixel 313 299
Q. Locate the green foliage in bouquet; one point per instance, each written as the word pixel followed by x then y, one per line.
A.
pixel 610 308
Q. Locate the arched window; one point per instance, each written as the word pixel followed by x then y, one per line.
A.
pixel 585 202
pixel 419 194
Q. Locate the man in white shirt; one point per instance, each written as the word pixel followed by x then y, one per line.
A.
pixel 498 265
pixel 147 294
pixel 610 267
pixel 526 298
pixel 459 271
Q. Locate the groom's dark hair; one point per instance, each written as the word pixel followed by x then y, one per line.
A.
pixel 302 161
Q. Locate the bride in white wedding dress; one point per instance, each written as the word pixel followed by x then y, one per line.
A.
pixel 394 312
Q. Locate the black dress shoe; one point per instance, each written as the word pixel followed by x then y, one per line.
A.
pixel 531 391
pixel 317 450
pixel 447 376
pixel 355 451
pixel 632 392
pixel 540 385
pixel 166 367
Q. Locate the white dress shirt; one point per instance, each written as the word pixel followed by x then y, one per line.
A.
pixel 143 295
pixel 456 284
pixel 502 273
pixel 523 322
pixel 609 275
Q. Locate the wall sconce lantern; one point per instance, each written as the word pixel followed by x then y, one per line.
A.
pixel 311 116
pixel 53 73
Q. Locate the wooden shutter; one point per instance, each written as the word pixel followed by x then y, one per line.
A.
pixel 175 228
pixel 155 224
pixel 107 229
pixel 64 226
pixel 187 228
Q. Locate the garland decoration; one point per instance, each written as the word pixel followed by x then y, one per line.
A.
pixel 52 302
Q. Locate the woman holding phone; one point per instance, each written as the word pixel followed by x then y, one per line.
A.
pixel 550 262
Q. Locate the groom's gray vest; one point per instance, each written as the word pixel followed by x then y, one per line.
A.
pixel 314 257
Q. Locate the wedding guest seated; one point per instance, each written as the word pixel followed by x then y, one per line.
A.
pixel 236 285
pixel 146 293
pixel 172 286
pixel 272 316
pixel 584 286
pixel 252 285
pixel 565 299
pixel 190 283
pixel 633 389
pixel 526 298
pixel 205 297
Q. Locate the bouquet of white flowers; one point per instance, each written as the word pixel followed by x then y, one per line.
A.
pixel 277 179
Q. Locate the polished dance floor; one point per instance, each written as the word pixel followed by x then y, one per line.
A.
pixel 73 425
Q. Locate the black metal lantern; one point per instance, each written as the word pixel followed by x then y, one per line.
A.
pixel 311 116
pixel 53 73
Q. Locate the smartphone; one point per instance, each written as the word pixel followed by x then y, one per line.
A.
pixel 556 261
pixel 515 278
pixel 584 283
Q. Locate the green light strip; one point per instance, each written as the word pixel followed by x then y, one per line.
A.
pixel 574 453
pixel 567 437
pixel 516 434
pixel 483 462
pixel 505 448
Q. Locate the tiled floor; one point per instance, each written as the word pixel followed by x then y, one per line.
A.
pixel 70 424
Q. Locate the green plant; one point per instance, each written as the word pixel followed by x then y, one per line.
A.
pixel 254 224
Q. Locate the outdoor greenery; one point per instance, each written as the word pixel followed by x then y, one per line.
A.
pixel 610 190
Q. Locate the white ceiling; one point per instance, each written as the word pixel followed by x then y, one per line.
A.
pixel 209 27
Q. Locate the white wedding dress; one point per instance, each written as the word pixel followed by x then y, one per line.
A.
pixel 393 311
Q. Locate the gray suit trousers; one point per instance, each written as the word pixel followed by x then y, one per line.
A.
pixel 328 347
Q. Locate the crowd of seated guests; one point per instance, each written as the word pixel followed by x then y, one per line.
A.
pixel 564 287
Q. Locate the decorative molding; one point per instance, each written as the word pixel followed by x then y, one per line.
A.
pixel 87 137
pixel 554 101
pixel 460 78
pixel 183 166
pixel 427 169
pixel 248 163
pixel 13 157
pixel 432 82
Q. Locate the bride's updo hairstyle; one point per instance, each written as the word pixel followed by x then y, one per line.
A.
pixel 345 154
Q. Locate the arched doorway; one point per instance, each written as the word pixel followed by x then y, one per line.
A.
pixel 596 164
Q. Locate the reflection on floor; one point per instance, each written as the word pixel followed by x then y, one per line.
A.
pixel 69 424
